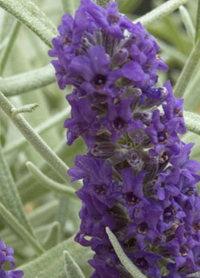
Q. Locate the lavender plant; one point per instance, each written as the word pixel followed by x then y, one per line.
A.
pixel 136 170
pixel 138 179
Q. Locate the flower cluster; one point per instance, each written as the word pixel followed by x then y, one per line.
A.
pixel 6 255
pixel 138 179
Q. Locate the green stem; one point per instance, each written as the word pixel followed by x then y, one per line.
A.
pixel 198 23
pixel 26 82
pixel 49 183
pixel 3 44
pixel 129 266
pixel 192 122
pixel 160 12
pixel 10 43
pixel 191 93
pixel 64 204
pixel 19 229
pixel 45 126
pixel 29 14
pixel 187 21
pixel 34 139
pixel 10 195
pixel 187 71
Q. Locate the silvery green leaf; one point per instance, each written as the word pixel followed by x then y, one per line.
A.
pixel 51 265
pixel 20 230
pixel 29 14
pixel 53 235
pixel 187 21
pixel 49 183
pixel 9 45
pixel 128 265
pixel 34 139
pixel 6 24
pixel 188 71
pixel 192 122
pixel 198 22
pixel 72 270
pixel 160 12
pixel 25 82
pixel 10 194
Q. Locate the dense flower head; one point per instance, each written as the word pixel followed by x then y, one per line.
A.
pixel 6 255
pixel 105 65
pixel 138 178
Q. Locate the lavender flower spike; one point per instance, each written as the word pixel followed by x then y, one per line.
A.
pixel 6 255
pixel 138 178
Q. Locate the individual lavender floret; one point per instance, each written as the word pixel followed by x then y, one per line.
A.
pixel 6 255
pixel 138 179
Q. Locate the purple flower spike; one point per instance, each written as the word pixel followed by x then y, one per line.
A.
pixel 138 178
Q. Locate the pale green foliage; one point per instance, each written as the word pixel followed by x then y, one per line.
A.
pixel 25 82
pixel 51 264
pixel 48 183
pixel 10 195
pixel 32 17
pixel 160 12
pixel 72 270
pixel 126 262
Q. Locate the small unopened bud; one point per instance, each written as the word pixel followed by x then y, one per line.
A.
pixel 120 57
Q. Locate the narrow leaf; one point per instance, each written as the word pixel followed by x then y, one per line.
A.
pixel 51 263
pixel 129 266
pixel 13 35
pixel 191 93
pixel 20 230
pixel 15 241
pixel 10 194
pixel 72 270
pixel 29 14
pixel 160 12
pixel 187 21
pixel 40 129
pixel 52 237
pixel 26 82
pixel 49 183
pixel 7 23
pixel 192 122
pixel 63 211
pixel 35 140
pixel 187 71
pixel 198 22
